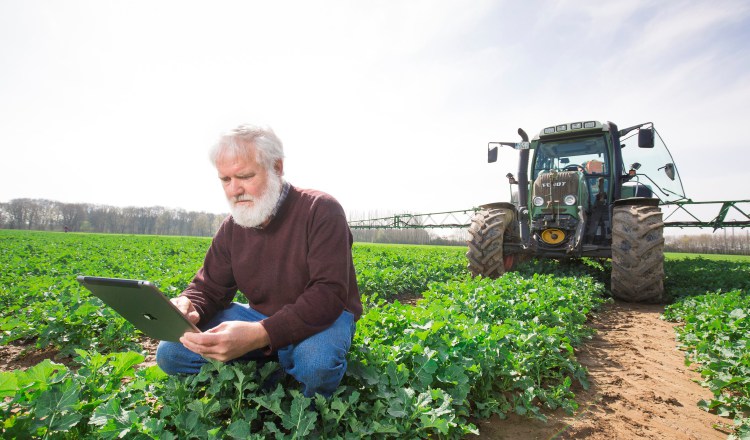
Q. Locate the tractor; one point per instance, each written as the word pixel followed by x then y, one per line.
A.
pixel 583 189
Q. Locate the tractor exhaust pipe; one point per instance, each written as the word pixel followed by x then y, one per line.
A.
pixel 523 189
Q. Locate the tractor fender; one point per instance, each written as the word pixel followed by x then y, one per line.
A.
pixel 503 205
pixel 497 205
pixel 637 201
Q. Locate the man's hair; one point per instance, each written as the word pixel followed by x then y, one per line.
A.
pixel 233 144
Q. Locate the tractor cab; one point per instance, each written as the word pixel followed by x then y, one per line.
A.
pixel 587 157
pixel 570 183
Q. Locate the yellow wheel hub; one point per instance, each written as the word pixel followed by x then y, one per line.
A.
pixel 553 236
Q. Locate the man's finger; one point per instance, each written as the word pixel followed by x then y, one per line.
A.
pixel 209 348
pixel 192 316
pixel 204 342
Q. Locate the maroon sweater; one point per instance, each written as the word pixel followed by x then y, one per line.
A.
pixel 298 270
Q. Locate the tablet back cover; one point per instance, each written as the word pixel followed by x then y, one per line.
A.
pixel 141 303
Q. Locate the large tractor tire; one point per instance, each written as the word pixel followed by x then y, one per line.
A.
pixel 638 254
pixel 488 229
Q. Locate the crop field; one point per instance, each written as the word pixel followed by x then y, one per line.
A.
pixel 435 351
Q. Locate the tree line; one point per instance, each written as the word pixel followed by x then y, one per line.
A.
pixel 50 215
pixel 728 241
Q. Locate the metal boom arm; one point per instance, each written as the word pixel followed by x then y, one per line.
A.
pixel 718 222
pixel 462 218
pixel 446 219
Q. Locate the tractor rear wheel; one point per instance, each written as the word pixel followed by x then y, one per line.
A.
pixel 488 230
pixel 638 254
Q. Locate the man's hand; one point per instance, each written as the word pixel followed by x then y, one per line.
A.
pixel 184 304
pixel 228 340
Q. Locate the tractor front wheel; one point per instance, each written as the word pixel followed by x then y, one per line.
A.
pixel 638 254
pixel 487 230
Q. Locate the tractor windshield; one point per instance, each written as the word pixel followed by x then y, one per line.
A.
pixel 655 167
pixel 582 154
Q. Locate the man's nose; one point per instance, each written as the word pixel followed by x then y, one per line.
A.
pixel 235 188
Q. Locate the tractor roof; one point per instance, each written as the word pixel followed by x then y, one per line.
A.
pixel 572 128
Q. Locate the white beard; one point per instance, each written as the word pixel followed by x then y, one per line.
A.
pixel 256 214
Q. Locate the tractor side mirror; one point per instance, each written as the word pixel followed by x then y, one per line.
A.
pixel 669 170
pixel 491 154
pixel 646 138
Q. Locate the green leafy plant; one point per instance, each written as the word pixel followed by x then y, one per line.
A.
pixel 105 398
pixel 716 335
pixel 434 350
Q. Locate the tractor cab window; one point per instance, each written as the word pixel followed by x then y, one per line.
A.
pixel 588 155
pixel 652 167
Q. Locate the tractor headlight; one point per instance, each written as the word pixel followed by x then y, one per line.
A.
pixel 538 201
pixel 570 200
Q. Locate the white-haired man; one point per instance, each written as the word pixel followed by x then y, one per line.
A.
pixel 288 251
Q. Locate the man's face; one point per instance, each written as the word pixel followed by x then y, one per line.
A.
pixel 246 184
pixel 242 177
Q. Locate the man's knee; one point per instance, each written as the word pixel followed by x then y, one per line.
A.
pixel 319 372
pixel 174 358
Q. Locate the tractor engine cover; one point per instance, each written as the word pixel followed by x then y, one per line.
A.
pixel 553 221
pixel 550 190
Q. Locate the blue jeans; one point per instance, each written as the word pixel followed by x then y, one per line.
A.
pixel 318 362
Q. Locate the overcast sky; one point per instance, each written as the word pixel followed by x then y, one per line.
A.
pixel 386 105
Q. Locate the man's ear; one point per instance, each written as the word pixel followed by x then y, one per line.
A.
pixel 278 166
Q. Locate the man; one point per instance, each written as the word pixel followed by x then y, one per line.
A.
pixel 288 251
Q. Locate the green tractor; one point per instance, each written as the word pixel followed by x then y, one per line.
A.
pixel 584 189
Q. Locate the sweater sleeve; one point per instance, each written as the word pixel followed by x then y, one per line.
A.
pixel 214 286
pixel 329 261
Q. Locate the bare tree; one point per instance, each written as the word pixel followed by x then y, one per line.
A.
pixel 73 215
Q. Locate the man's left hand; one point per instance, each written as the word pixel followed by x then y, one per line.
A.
pixel 228 340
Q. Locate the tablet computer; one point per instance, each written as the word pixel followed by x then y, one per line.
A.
pixel 141 303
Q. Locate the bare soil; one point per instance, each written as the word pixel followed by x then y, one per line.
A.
pixel 16 356
pixel 640 386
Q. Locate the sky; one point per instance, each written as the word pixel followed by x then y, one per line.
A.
pixel 386 105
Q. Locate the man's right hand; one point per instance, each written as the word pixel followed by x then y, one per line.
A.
pixel 184 304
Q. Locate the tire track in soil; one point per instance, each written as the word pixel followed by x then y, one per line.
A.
pixel 640 387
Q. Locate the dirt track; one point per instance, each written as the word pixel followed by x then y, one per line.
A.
pixel 640 387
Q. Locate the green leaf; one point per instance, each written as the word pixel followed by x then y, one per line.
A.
pixel 272 401
pixel 8 384
pixel 397 374
pixel 226 373
pixel 111 419
pixel 59 398
pixel 42 375
pixel 64 422
pixel 56 407
pixel 191 421
pixel 153 374
pixel 239 429
pixel 300 420
pixel 425 372
pixel 123 362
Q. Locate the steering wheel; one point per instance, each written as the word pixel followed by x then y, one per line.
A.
pixel 572 167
